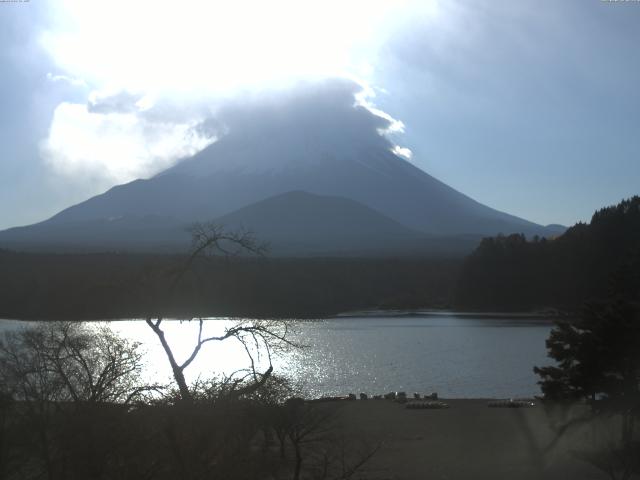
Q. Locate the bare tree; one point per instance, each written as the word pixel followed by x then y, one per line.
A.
pixel 257 337
pixel 70 362
pixel 307 425
pixel 322 448
pixel 61 378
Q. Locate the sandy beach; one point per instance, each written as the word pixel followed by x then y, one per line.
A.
pixel 466 441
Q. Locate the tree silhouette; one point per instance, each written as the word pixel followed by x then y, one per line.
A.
pixel 598 361
pixel 65 390
pixel 256 336
pixel 513 273
pixel 598 357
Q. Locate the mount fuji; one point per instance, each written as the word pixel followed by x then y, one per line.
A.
pixel 311 172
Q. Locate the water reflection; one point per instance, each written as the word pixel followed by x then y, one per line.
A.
pixel 215 359
pixel 455 355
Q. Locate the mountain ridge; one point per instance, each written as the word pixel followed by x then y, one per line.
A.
pixel 318 142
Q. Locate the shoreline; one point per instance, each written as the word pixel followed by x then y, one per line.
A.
pixel 498 315
pixel 468 440
pixel 372 314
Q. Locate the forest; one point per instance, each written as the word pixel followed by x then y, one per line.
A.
pixel 504 273
pixel 113 285
pixel 519 274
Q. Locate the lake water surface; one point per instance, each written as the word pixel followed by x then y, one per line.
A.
pixel 458 356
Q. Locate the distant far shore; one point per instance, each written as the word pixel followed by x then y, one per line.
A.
pixel 377 313
pixel 537 314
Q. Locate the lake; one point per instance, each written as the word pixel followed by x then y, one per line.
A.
pixel 456 355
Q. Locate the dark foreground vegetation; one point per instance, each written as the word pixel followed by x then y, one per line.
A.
pixel 597 366
pixel 73 405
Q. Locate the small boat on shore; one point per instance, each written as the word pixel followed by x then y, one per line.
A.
pixel 511 403
pixel 424 404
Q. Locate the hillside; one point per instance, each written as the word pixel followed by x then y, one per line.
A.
pixel 513 273
pixel 302 223
pixel 269 149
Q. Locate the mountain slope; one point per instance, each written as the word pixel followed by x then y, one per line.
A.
pixel 205 187
pixel 303 223
pixel 316 141
pixel 125 233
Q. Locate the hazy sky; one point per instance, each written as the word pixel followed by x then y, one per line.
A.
pixel 531 107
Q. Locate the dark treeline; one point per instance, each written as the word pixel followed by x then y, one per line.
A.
pixel 503 273
pixel 91 286
pixel 513 273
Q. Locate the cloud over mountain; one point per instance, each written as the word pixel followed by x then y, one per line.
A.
pixel 320 140
pixel 311 120
pixel 108 145
pixel 122 136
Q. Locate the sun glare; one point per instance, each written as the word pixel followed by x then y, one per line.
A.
pixel 191 55
pixel 215 47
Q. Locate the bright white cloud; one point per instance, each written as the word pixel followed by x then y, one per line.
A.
pixel 196 52
pixel 115 147
pixel 216 46
pixel 403 152
pixel 76 82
